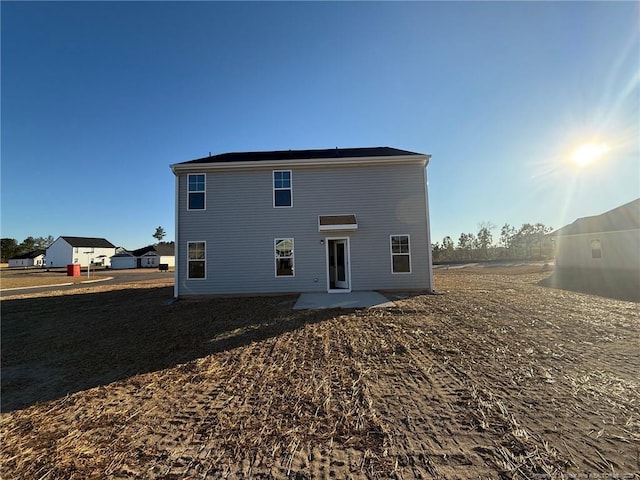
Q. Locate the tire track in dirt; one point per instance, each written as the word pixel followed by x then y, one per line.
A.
pixel 545 368
pixel 497 378
pixel 415 397
pixel 276 409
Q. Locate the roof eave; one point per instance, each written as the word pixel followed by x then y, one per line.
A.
pixel 592 233
pixel 319 162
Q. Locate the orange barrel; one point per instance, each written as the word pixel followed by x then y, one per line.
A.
pixel 73 270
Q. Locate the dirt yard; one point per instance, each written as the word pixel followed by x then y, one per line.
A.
pixel 499 377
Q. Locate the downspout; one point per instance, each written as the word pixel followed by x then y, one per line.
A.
pixel 429 252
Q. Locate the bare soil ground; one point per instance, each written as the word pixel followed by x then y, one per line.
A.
pixel 497 378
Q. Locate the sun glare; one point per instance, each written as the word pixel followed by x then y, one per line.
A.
pixel 589 153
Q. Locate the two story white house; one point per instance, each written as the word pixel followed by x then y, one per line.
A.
pixel 81 250
pixel 332 220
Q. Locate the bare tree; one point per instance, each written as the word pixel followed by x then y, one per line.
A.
pixel 485 237
pixel 466 243
pixel 448 247
pixel 507 234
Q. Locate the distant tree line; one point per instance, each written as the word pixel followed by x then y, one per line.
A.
pixel 530 241
pixel 9 247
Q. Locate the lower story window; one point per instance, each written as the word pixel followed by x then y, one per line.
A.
pixel 284 257
pixel 196 254
pixel 400 254
pixel 596 249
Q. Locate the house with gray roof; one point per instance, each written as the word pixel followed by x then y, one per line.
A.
pixel 84 251
pixel 151 256
pixel 602 251
pixel 124 260
pixel 332 220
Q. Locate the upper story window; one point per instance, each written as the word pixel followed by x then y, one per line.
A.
pixel 196 190
pixel 400 254
pixel 596 249
pixel 282 195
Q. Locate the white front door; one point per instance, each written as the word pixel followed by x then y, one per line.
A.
pixel 338 265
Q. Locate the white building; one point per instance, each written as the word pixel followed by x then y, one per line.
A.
pixel 80 250
pixel 610 241
pixel 30 259
pixel 602 253
pixel 147 257
pixel 153 255
pixel 123 260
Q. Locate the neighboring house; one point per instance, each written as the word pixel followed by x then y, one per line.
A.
pixel 123 260
pixel 153 255
pixel 603 249
pixel 302 221
pixel 30 259
pixel 147 257
pixel 81 250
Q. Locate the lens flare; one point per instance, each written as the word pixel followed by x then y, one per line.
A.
pixel 589 153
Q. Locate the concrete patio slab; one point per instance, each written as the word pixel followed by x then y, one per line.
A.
pixel 312 301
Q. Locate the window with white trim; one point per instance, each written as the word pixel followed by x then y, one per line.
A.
pixel 284 257
pixel 196 258
pixel 196 191
pixel 400 254
pixel 282 192
pixel 596 249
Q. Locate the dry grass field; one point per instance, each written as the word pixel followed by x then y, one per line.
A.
pixel 19 278
pixel 499 377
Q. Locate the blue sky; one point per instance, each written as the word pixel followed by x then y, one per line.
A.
pixel 98 99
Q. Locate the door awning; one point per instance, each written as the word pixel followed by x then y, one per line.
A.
pixel 337 222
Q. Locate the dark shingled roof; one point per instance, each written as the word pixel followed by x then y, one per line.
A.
pixel 141 251
pixel 88 242
pixel 303 155
pixel 624 217
pixel 162 250
pixel 165 250
pixel 124 253
pixel 32 254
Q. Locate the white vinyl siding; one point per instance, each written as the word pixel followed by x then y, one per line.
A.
pixel 385 199
pixel 400 254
